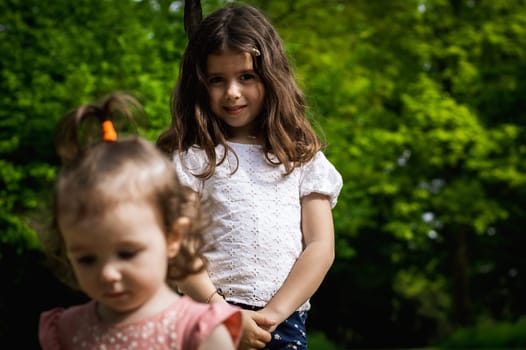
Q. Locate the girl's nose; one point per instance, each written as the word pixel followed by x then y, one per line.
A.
pixel 233 91
pixel 110 273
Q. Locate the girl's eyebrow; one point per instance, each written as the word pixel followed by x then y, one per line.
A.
pixel 243 71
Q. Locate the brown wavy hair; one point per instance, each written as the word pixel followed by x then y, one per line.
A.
pixel 98 174
pixel 287 133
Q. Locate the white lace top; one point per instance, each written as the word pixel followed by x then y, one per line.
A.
pixel 256 213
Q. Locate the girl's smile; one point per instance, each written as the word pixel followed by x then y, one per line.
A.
pixel 234 110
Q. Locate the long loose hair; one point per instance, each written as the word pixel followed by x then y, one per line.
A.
pixel 289 138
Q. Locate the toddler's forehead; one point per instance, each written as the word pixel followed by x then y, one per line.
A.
pixel 87 216
pixel 93 204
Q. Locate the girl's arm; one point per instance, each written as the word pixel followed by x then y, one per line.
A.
pixel 314 262
pixel 199 287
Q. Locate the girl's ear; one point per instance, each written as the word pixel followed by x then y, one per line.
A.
pixel 179 229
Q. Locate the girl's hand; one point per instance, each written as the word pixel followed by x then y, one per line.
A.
pixel 255 331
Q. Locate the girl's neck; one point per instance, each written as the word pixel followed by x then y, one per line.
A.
pixel 247 134
pixel 153 306
pixel 246 139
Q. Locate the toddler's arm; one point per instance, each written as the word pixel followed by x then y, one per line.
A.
pixel 219 338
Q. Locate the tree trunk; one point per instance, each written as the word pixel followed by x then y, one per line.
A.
pixel 463 308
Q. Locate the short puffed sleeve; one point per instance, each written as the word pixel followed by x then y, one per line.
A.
pixel 197 321
pixel 320 176
pixel 221 313
pixel 48 333
pixel 188 164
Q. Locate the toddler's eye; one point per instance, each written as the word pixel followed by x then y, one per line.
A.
pixel 127 254
pixel 86 260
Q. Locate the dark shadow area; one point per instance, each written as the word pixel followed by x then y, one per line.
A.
pixel 29 289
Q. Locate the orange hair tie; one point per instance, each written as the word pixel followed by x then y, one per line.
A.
pixel 108 131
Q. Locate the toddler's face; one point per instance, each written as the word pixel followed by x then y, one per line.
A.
pixel 235 90
pixel 119 257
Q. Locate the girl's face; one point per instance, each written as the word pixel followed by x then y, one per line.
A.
pixel 236 91
pixel 120 258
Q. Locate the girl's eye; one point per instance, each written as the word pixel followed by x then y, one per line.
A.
pixel 127 254
pixel 247 76
pixel 214 80
pixel 86 260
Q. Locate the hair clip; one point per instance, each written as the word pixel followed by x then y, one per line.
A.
pixel 255 51
pixel 108 131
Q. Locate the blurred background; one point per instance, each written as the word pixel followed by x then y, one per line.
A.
pixel 422 104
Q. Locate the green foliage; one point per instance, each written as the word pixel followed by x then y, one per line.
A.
pixel 504 335
pixel 16 233
pixel 318 341
pixel 422 110
pixel 422 113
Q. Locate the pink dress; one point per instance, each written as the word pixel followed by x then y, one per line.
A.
pixel 184 325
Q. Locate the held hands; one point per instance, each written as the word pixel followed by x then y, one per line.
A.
pixel 256 330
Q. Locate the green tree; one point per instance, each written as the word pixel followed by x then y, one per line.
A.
pixel 421 104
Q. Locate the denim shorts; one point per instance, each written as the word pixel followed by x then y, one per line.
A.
pixel 290 334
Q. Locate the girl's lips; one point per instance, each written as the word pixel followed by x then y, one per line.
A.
pixel 234 110
pixel 114 295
